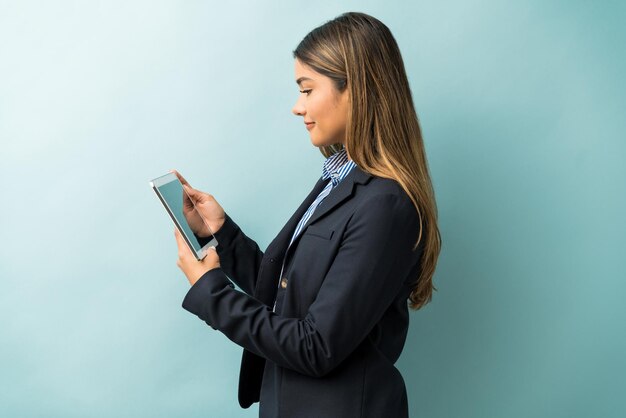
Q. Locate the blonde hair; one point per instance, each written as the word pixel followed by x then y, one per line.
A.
pixel 383 135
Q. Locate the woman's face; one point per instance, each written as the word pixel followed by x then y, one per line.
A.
pixel 323 108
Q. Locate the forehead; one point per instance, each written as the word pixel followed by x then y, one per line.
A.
pixel 305 73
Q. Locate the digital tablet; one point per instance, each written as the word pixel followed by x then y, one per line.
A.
pixel 184 214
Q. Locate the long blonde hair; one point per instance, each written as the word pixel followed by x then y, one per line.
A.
pixel 383 135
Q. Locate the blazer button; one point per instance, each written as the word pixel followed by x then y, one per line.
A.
pixel 283 283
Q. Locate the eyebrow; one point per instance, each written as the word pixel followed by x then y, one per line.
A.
pixel 301 79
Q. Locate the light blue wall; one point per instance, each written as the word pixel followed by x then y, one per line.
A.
pixel 523 111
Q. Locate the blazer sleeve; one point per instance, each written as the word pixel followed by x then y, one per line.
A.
pixel 372 263
pixel 240 256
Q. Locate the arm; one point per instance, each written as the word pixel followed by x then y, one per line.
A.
pixel 369 270
pixel 240 256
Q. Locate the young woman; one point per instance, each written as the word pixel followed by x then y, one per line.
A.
pixel 324 316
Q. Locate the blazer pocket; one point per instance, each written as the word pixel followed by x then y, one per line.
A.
pixel 319 231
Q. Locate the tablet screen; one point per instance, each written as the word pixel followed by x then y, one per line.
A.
pixel 172 195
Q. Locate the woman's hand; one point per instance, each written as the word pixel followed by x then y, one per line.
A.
pixel 187 262
pixel 208 212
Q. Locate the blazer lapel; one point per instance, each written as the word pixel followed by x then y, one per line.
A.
pixel 338 195
pixel 265 286
pixel 265 289
pixel 284 236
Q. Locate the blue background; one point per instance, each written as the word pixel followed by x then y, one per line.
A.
pixel 522 107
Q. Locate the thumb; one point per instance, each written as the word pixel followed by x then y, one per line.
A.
pixel 214 251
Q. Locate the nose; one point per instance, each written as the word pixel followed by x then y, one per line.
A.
pixel 298 108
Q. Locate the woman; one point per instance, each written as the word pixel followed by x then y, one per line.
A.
pixel 324 316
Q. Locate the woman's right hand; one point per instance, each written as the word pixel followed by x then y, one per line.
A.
pixel 208 212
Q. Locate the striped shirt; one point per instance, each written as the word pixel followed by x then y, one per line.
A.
pixel 336 168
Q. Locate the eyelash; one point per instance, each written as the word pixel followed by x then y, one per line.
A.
pixel 306 91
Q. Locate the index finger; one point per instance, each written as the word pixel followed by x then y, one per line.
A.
pixel 181 178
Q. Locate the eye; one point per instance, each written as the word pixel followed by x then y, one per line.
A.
pixel 306 91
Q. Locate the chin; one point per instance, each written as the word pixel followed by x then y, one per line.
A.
pixel 316 142
pixel 320 142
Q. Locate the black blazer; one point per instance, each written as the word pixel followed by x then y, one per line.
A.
pixel 341 306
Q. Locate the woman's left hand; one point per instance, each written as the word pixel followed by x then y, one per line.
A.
pixel 187 262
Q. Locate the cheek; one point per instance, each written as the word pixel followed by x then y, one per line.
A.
pixel 312 109
pixel 323 111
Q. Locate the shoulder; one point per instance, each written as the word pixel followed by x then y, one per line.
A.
pixel 384 186
pixel 375 188
pixel 385 197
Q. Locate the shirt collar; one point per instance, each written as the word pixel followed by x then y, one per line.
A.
pixel 337 166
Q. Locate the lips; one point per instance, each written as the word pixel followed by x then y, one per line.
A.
pixel 309 125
